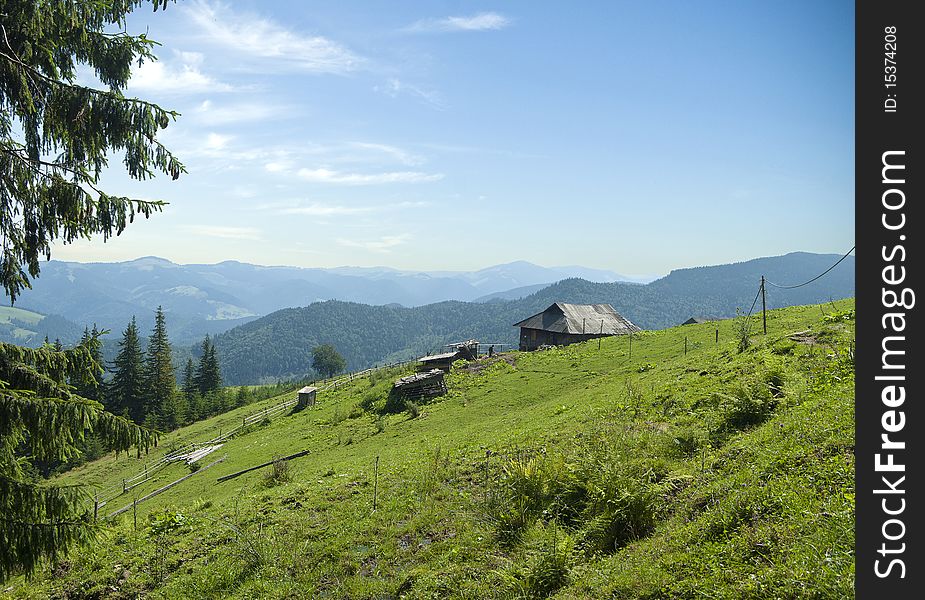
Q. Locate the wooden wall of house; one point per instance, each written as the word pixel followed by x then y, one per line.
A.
pixel 531 339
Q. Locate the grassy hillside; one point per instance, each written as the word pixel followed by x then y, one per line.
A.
pixel 579 472
pixel 28 328
pixel 279 345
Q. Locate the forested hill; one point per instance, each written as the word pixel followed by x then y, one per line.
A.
pixel 279 345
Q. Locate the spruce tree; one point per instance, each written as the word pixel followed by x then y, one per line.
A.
pixel 43 420
pixel 208 373
pixel 191 392
pixel 189 380
pixel 126 391
pixel 160 380
pixel 92 389
pixel 56 137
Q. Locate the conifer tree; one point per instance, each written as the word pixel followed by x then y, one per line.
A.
pixel 127 391
pixel 56 137
pixel 189 380
pixel 42 419
pixel 92 389
pixel 160 380
pixel 208 373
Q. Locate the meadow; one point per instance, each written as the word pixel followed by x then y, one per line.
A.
pixel 706 460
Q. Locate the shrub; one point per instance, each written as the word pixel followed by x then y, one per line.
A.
pixel 689 439
pixel 414 411
pixel 277 473
pixel 747 407
pixel 550 570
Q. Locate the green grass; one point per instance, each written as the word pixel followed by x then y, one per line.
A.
pixel 8 313
pixel 574 473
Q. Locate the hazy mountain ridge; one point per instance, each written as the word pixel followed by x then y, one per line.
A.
pixel 279 345
pixel 201 298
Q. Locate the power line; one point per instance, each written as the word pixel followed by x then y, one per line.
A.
pixel 749 315
pixel 790 287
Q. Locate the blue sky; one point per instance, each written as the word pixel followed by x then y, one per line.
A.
pixel 632 136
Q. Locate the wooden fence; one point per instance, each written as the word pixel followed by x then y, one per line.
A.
pixel 105 495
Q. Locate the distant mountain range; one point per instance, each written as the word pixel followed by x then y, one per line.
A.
pixel 279 345
pixel 376 314
pixel 209 299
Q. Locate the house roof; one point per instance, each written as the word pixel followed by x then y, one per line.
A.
pixel 579 318
pixel 443 356
pixel 695 320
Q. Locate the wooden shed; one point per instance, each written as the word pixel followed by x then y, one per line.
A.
pixel 563 324
pixel 306 397
pixel 467 350
pixel 420 386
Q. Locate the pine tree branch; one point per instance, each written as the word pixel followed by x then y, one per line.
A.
pixel 32 71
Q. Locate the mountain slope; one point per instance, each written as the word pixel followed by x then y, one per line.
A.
pixel 201 299
pixel 279 345
pixel 29 328
pixel 573 473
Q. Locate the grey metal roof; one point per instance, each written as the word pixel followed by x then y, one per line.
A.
pixel 443 356
pixel 580 318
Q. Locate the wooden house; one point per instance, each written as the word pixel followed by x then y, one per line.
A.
pixel 563 324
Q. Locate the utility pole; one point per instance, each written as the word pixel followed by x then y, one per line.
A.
pixel 764 307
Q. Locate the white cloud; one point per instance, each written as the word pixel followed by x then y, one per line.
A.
pixel 383 244
pixel 261 38
pixel 323 175
pixel 277 166
pixel 208 113
pixel 317 209
pixel 187 78
pixel 486 21
pixel 325 210
pixel 224 232
pixel 217 141
pixel 406 158
pixel 395 87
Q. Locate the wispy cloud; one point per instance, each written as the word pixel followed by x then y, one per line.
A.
pixel 383 244
pixel 217 141
pixel 323 175
pixel 261 38
pixel 325 210
pixel 209 113
pixel 402 156
pixel 228 233
pixel 395 87
pixel 171 78
pixel 317 209
pixel 485 21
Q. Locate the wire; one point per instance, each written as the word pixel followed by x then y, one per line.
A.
pixel 749 315
pixel 790 287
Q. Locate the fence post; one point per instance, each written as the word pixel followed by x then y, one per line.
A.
pixel 96 505
pixel 376 483
pixel 685 345
pixel 717 335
